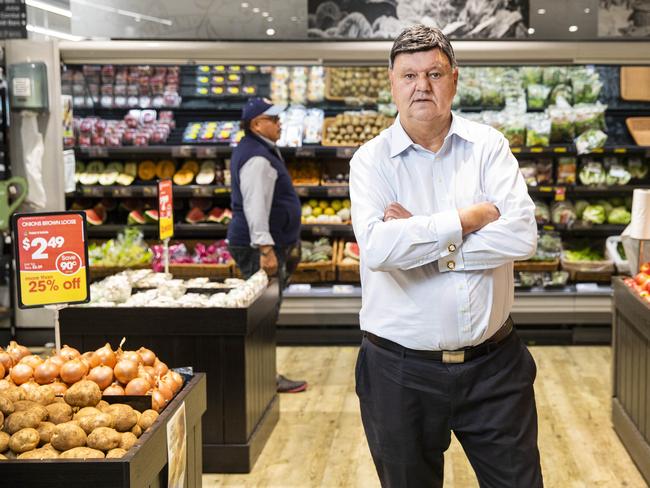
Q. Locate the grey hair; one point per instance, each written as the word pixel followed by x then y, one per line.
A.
pixel 419 38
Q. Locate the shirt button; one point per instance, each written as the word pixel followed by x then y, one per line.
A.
pixel 451 248
pixel 451 265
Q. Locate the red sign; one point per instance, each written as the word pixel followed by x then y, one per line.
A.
pixel 165 209
pixel 51 255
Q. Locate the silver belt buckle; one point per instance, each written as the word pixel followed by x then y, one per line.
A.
pixel 453 356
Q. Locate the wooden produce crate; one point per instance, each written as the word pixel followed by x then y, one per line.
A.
pixel 600 271
pixel 639 127
pixel 346 272
pixel 326 142
pixel 635 83
pixel 537 266
pixel 316 272
pixel 144 465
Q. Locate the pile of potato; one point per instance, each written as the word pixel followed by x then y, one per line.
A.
pixel 37 424
pixel 354 128
pixel 357 82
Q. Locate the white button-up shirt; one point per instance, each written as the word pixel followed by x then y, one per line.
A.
pixel 424 286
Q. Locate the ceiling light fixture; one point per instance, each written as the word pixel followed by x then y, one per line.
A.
pixel 573 28
pixel 531 30
pixel 49 8
pixel 587 10
pixel 270 32
pixel 53 33
pixel 269 19
pixel 265 14
pixel 244 5
pixel 256 10
pixel 294 19
pixel 541 11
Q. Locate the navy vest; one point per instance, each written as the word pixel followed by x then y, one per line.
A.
pixel 284 221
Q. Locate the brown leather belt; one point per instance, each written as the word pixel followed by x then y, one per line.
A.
pixel 457 356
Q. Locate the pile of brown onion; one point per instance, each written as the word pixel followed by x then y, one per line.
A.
pixel 115 372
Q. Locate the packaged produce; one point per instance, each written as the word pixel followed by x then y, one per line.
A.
pixel 313 126
pixel 538 130
pixel 567 169
pixel 556 279
pixel 316 252
pixel 562 126
pixel 354 128
pixel 637 167
pixel 492 94
pixel 316 84
pixel 528 279
pixel 292 122
pixel 537 96
pixel 514 129
pixel 298 85
pixel 128 249
pixel 542 212
pixel 592 173
pixel 529 172
pixel 617 172
pixel 589 117
pixel 561 93
pixel 590 140
pixel 531 75
pixel 563 213
pixel 586 85
pixel 544 171
pixel 554 75
pixel 549 246
pixel 469 95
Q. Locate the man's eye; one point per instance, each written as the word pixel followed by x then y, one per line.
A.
pixel 434 75
pixel 409 76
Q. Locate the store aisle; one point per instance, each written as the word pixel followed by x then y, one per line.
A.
pixel 319 440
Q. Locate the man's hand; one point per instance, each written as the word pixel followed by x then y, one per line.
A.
pixel 477 216
pixel 268 260
pixel 396 211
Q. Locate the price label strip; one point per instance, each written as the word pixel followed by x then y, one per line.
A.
pixel 51 253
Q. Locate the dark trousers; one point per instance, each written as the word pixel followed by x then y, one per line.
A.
pixel 248 261
pixel 409 406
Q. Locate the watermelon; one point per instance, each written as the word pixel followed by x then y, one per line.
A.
pixel 135 218
pixel 351 250
pixel 100 211
pixel 215 214
pixel 92 218
pixel 226 217
pixel 151 216
pixel 195 216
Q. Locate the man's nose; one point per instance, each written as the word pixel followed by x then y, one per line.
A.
pixel 422 83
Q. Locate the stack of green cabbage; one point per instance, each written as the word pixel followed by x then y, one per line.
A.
pixel 129 249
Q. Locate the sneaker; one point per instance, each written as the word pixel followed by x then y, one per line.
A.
pixel 285 385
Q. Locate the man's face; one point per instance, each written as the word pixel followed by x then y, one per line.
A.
pixel 423 85
pixel 267 126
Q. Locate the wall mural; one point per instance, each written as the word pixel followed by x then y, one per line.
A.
pixel 385 19
pixel 618 18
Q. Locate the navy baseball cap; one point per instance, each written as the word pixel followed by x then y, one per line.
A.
pixel 260 106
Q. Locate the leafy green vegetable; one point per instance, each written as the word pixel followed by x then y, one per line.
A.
pixel 580 206
pixel 584 254
pixel 619 215
pixel 537 96
pixel 129 249
pixel 595 214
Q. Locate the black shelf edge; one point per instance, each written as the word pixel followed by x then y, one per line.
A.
pixel 148 191
pixel 181 230
pixel 313 150
pixel 584 230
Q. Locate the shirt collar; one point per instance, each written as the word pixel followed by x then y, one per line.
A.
pixel 269 142
pixel 400 140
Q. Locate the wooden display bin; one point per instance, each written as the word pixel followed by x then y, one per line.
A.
pixel 631 373
pixel 235 347
pixel 346 272
pixel 144 465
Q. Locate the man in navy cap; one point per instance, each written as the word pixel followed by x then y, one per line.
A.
pixel 265 227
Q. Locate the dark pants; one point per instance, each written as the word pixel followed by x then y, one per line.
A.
pixel 409 406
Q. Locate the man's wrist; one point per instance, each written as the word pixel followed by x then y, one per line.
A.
pixel 265 250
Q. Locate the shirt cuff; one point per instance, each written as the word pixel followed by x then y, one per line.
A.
pixel 450 236
pixel 261 239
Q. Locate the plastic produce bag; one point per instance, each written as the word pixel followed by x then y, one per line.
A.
pixel 566 170
pixel 538 130
pixel 537 95
pixel 592 173
pixel 590 140
pixel 562 127
pixel 589 117
pixel 33 150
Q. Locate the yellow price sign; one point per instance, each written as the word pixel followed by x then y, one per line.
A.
pixel 52 254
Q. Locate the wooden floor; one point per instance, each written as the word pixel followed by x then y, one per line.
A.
pixel 319 441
